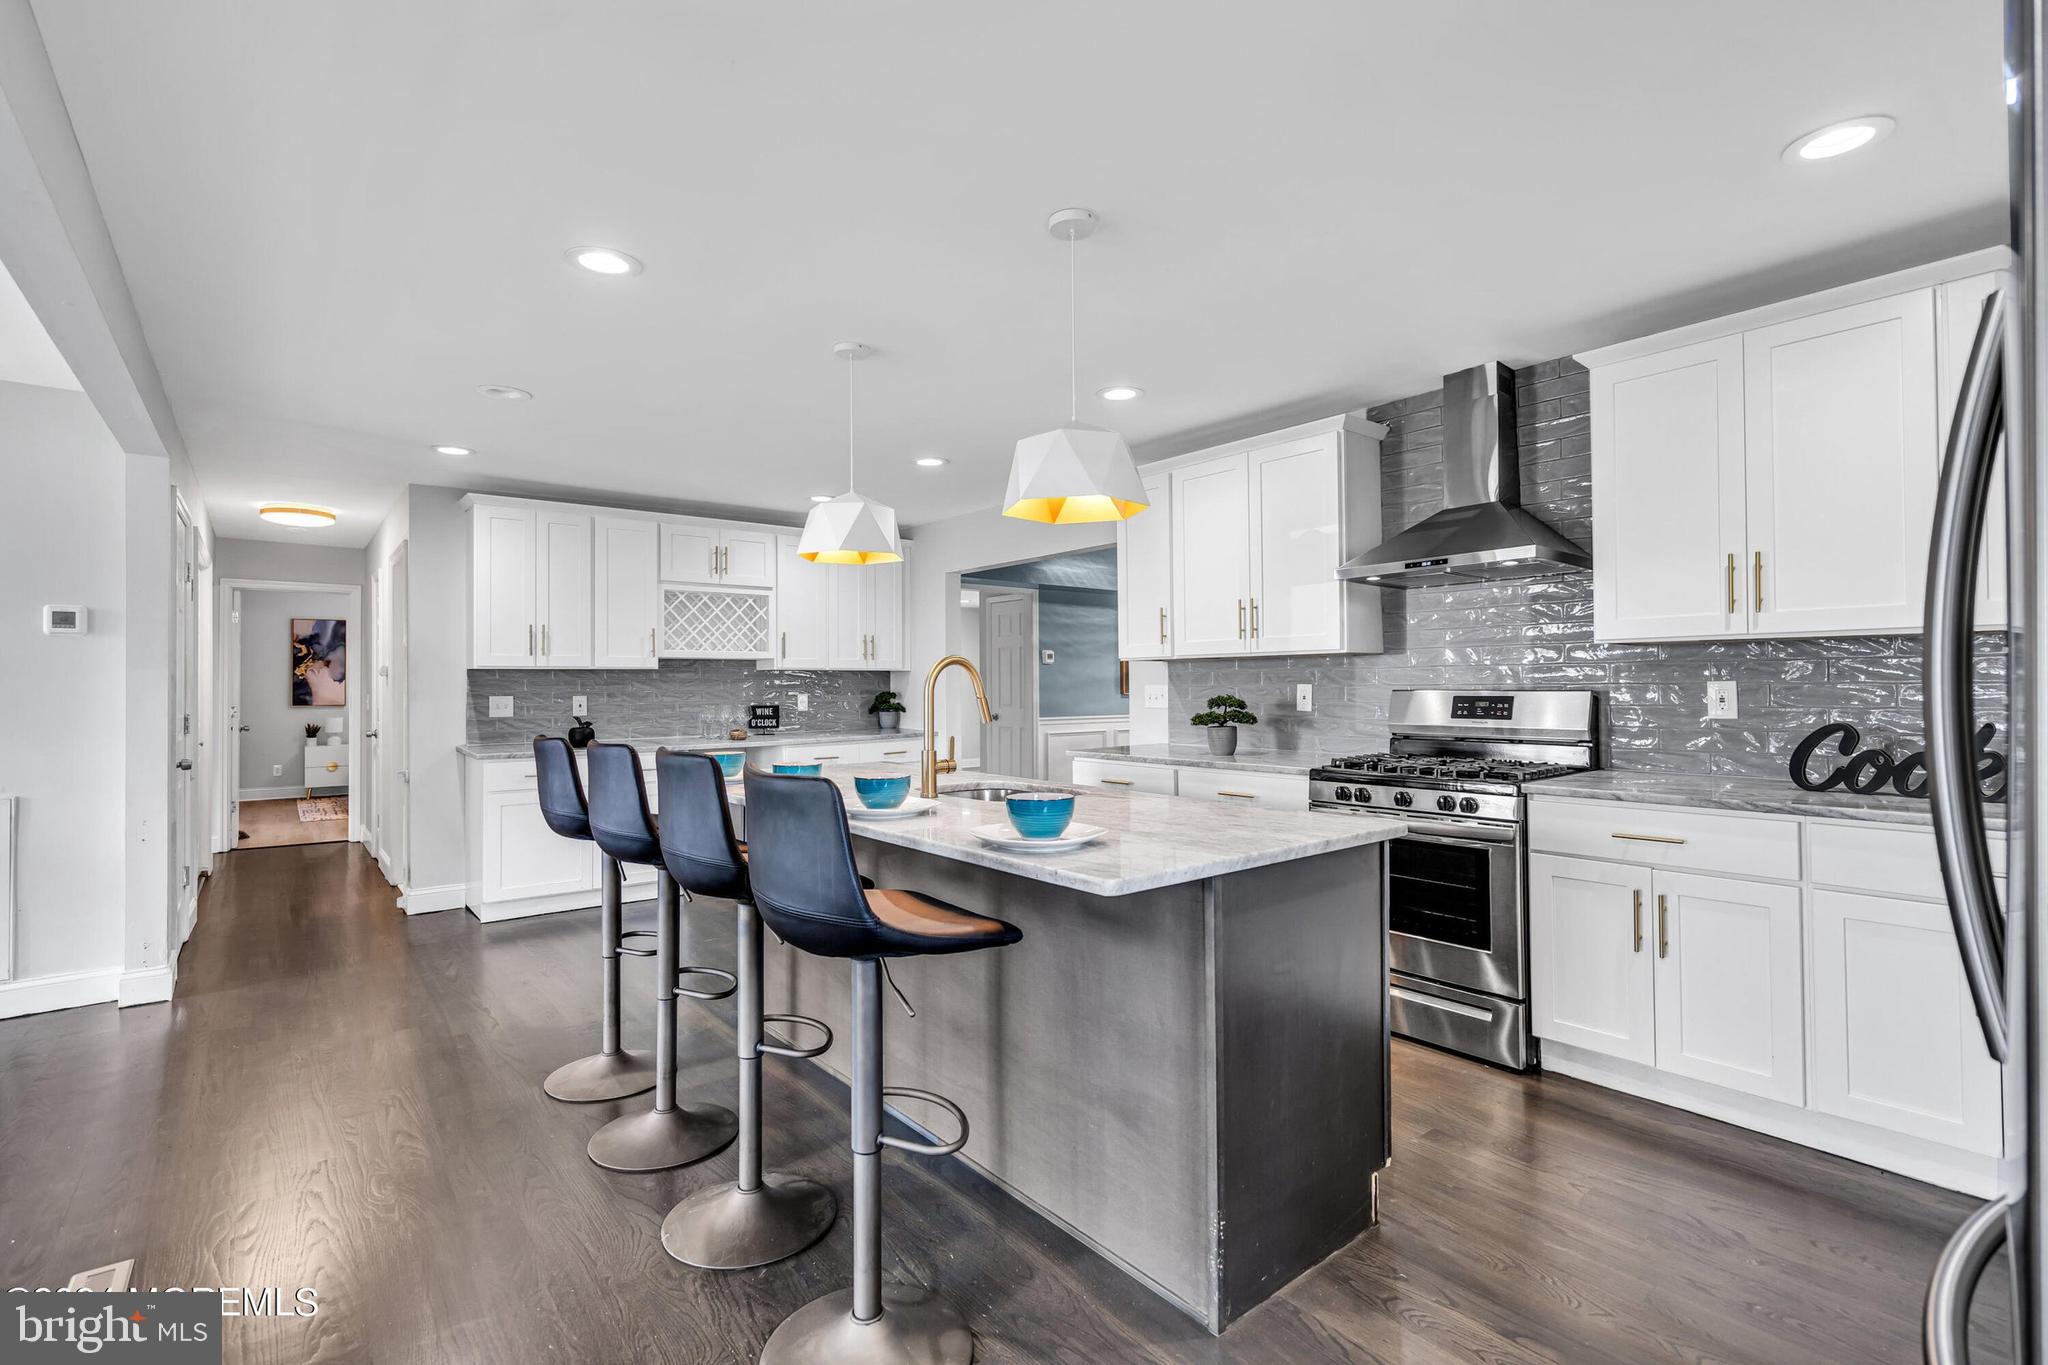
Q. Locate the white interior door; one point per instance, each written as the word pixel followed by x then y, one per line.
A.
pixel 1841 457
pixel 1668 495
pixel 229 633
pixel 1730 1003
pixel 184 818
pixel 1296 499
pixel 627 592
pixel 1144 557
pixel 1212 558
pixel 1009 672
pixel 1591 981
pixel 563 572
pixel 398 825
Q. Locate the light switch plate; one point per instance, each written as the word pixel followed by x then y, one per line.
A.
pixel 579 706
pixel 277 770
pixel 1304 696
pixel 1155 696
pixel 1045 656
pixel 1721 700
pixel 501 706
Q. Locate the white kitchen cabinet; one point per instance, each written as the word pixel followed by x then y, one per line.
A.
pixel 1592 979
pixel 716 553
pixel 522 858
pixel 1153 778
pixel 883 609
pixel 626 592
pixel 689 551
pixel 1296 516
pixel 803 606
pixel 1842 457
pixel 865 615
pixel 503 632
pixel 1668 494
pixel 1270 791
pixel 748 560
pixel 562 579
pixel 1212 558
pixel 1895 1036
pixel 1728 983
pixel 1144 566
pixel 1958 308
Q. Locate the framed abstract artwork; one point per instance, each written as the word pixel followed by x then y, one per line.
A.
pixel 319 661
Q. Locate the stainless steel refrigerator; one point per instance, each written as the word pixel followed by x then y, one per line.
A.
pixel 2004 389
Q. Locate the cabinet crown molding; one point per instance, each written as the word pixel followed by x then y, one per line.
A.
pixel 1355 423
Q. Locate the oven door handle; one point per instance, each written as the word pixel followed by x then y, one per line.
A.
pixel 1438 833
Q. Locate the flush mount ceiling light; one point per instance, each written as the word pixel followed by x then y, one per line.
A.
pixel 1120 393
pixel 502 391
pixel 932 462
pixel 603 260
pixel 821 497
pixel 453 450
pixel 1077 472
pixel 1837 138
pixel 850 529
pixel 301 515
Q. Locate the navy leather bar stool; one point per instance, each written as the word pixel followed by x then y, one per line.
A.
pixel 761 1218
pixel 669 1134
pixel 801 870
pixel 611 1073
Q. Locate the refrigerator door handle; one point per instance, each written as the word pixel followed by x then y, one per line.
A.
pixel 1945 1323
pixel 1951 753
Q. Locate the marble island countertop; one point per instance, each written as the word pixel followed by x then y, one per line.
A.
pixel 1761 795
pixel 1294 762
pixel 496 752
pixel 1152 841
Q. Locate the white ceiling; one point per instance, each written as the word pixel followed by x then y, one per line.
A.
pixel 27 355
pixel 336 219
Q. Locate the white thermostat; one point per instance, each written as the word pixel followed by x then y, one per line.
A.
pixel 63 620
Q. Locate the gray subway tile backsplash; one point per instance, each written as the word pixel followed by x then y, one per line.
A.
pixel 682 697
pixel 1540 634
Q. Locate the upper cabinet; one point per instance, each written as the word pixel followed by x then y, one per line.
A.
pixel 864 608
pixel 717 554
pixel 1237 553
pixel 802 595
pixel 628 597
pixel 530 595
pixel 1773 474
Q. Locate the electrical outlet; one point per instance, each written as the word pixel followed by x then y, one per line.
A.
pixel 277 770
pixel 1721 701
pixel 501 706
pixel 1045 656
pixel 579 706
pixel 1304 696
pixel 1155 696
pixel 803 701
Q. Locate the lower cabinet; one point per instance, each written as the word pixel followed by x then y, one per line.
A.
pixel 521 857
pixel 1729 1000
pixel 1155 778
pixel 1591 983
pixel 1274 791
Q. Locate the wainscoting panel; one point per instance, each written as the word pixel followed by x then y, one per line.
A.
pixel 1060 736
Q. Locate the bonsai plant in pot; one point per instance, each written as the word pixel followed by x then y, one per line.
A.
pixel 887 711
pixel 1224 715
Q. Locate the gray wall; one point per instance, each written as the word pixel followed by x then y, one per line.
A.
pixel 703 697
pixel 1541 635
pixel 1079 626
pixel 277 729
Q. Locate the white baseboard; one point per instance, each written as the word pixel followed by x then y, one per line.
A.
pixel 63 991
pixel 270 793
pixel 147 986
pixel 529 906
pixel 424 900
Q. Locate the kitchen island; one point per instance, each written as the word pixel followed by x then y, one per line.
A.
pixel 1184 1063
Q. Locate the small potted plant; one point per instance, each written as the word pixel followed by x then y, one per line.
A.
pixel 1224 715
pixel 887 711
pixel 312 729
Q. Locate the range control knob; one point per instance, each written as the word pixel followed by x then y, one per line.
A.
pixel 1447 803
pixel 1470 805
pixel 1342 794
pixel 1364 796
pixel 1403 799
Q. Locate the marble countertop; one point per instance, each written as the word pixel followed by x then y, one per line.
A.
pixel 647 744
pixel 1296 763
pixel 1762 795
pixel 1152 841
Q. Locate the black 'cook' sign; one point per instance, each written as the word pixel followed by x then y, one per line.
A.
pixel 1869 771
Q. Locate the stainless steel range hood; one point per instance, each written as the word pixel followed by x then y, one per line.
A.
pixel 1481 535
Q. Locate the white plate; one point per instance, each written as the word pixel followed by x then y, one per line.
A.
pixel 912 805
pixel 1006 836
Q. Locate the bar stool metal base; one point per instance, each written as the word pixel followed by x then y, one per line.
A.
pixel 728 1228
pixel 602 1076
pixel 917 1327
pixel 661 1139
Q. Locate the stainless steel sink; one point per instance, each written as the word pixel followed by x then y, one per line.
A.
pixel 1002 793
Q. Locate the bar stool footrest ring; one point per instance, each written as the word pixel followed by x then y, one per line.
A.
pixel 926 1148
pixel 796 1021
pixel 637 952
pixel 732 983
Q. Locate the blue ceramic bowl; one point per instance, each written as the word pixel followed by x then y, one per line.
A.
pixel 882 793
pixel 1041 816
pixel 730 764
pixel 798 769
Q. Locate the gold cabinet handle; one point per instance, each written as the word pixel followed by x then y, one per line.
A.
pixel 1162 625
pixel 1242 796
pixel 650 642
pixel 1649 838
pixel 894 753
pixel 1731 582
pixel 334 767
pixel 1255 618
pixel 1663 928
pixel 544 650
pixel 531 650
pixel 1639 919
pixel 785 644
pixel 1240 618
pixel 1116 782
pixel 1759 582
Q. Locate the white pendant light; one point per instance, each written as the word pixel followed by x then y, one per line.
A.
pixel 850 529
pixel 1077 472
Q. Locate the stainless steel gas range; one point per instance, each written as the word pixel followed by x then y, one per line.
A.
pixel 1457 883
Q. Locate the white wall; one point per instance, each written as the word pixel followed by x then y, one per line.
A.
pixel 285 562
pixel 63 698
pixel 277 729
pixel 436 685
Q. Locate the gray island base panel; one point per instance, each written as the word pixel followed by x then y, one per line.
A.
pixel 1192 1078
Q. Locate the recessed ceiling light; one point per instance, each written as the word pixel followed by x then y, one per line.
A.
pixel 1119 393
pixel 1837 138
pixel 930 461
pixel 603 260
pixel 502 391
pixel 453 450
pixel 821 497
pixel 298 514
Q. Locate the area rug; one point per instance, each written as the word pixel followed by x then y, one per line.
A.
pixel 313 808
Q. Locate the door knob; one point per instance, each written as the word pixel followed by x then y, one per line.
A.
pixel 243 728
pixel 184 765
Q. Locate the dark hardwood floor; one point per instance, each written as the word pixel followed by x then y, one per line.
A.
pixel 345 1098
